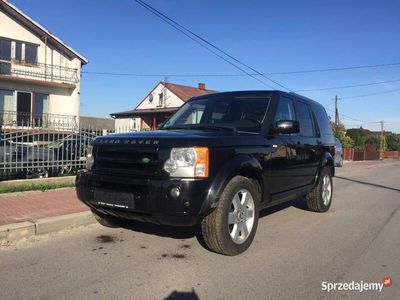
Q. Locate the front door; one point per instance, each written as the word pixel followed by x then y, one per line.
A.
pixel 286 158
pixel 24 108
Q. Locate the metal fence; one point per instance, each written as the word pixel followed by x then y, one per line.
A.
pixel 43 146
pixel 39 71
pixel 23 120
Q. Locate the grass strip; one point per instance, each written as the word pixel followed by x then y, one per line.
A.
pixel 37 186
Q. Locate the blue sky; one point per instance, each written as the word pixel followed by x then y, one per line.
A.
pixel 272 36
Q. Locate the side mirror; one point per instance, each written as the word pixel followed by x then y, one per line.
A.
pixel 160 125
pixel 287 127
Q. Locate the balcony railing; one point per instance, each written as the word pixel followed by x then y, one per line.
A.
pixel 22 120
pixel 39 71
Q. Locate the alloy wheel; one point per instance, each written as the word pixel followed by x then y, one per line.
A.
pixel 241 216
pixel 326 190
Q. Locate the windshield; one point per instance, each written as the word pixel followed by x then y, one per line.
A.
pixel 239 113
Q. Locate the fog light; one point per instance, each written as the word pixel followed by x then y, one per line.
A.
pixel 175 192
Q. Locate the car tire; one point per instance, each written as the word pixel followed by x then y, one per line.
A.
pixel 340 164
pixel 106 221
pixel 320 198
pixel 231 227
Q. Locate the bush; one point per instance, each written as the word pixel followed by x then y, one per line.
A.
pixel 340 133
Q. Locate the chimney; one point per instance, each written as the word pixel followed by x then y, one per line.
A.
pixel 202 86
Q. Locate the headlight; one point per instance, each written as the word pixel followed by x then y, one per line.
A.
pixel 89 157
pixel 187 162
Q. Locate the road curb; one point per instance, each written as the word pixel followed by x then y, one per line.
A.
pixel 17 231
pixel 38 181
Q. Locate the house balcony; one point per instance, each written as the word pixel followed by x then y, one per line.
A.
pixel 39 73
pixel 14 121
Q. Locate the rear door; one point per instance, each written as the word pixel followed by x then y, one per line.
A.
pixel 307 143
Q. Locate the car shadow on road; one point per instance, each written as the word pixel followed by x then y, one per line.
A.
pixel 298 203
pixel 369 183
pixel 176 295
pixel 195 231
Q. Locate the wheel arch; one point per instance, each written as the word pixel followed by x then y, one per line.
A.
pixel 240 165
pixel 326 161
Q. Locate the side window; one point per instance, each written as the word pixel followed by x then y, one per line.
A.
pixel 305 119
pixel 322 119
pixel 285 110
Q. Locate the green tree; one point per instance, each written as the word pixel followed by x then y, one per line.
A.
pixel 373 140
pixel 358 136
pixel 340 133
pixel 393 142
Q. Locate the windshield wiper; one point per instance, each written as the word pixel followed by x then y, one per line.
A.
pixel 175 127
pixel 214 127
pixel 206 127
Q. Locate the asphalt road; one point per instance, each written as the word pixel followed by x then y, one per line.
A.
pixel 294 251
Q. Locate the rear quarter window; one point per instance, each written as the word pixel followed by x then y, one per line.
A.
pixel 304 118
pixel 322 120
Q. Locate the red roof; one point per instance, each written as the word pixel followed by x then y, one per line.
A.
pixel 148 111
pixel 184 92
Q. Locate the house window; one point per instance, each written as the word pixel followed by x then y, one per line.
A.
pixel 41 103
pixel 31 54
pixel 160 99
pixel 18 51
pixel 5 49
pixel 6 107
pixel 41 110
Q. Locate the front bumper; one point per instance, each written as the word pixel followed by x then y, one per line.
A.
pixel 143 199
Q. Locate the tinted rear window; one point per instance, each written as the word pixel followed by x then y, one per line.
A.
pixel 322 119
pixel 304 118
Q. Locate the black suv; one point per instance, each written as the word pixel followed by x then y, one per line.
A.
pixel 217 161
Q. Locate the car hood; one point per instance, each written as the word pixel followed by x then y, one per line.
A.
pixel 180 138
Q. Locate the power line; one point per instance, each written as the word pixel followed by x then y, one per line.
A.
pixel 353 119
pixel 304 90
pixel 241 75
pixel 249 74
pixel 347 86
pixel 336 69
pixel 182 29
pixel 155 12
pixel 371 94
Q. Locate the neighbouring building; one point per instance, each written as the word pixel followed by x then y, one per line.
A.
pixel 163 100
pixel 100 125
pixel 39 73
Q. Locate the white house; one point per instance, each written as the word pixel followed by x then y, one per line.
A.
pixel 39 73
pixel 163 100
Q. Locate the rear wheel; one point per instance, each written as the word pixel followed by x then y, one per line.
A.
pixel 231 227
pixel 106 221
pixel 340 162
pixel 320 198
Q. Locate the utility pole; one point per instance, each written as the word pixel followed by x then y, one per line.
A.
pixel 336 111
pixel 382 143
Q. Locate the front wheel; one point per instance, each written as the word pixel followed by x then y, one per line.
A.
pixel 320 198
pixel 106 221
pixel 231 227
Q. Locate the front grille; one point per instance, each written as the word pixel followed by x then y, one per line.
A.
pixel 126 160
